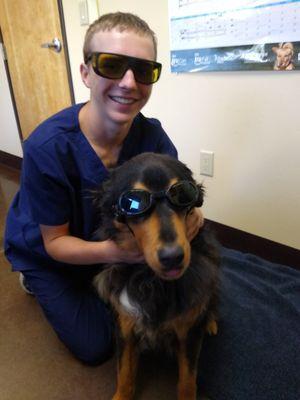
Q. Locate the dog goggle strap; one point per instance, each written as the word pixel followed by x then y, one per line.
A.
pixel 137 201
pixel 114 66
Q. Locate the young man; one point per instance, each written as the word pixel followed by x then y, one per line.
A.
pixel 51 220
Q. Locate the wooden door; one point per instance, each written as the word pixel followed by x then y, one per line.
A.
pixel 39 75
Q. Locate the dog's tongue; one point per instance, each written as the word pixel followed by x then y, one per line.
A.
pixel 173 272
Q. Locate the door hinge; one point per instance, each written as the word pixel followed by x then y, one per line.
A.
pixel 3 51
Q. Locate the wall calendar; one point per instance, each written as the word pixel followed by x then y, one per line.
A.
pixel 210 35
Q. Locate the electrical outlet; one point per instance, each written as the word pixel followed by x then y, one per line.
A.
pixel 206 163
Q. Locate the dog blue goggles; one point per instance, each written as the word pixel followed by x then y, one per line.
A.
pixel 136 202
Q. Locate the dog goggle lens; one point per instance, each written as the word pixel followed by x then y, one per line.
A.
pixel 183 194
pixel 135 202
pixel 114 66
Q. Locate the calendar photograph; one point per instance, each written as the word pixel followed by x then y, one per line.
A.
pixel 271 56
pixel 212 35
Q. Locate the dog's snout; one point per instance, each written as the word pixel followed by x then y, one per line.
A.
pixel 171 256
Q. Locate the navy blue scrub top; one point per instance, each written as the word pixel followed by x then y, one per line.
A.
pixel 60 168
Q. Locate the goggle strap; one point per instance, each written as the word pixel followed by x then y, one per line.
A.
pixel 118 214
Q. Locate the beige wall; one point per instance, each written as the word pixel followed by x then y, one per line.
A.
pixel 249 119
pixel 9 135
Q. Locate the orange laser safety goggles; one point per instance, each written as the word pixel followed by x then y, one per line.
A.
pixel 114 66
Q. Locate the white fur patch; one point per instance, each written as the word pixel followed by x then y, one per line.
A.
pixel 128 305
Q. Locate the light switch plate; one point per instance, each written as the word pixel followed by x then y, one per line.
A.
pixel 83 12
pixel 206 163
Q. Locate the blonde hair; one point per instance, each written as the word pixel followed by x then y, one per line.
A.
pixel 122 22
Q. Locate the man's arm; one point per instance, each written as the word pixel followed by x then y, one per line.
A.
pixel 63 247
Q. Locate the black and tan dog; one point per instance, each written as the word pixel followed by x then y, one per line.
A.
pixel 171 300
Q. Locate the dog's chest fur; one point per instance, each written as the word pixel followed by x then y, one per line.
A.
pixel 149 337
pixel 154 304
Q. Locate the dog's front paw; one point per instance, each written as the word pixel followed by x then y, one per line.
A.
pixel 212 327
pixel 186 393
pixel 123 395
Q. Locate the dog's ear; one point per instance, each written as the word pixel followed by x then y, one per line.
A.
pixel 201 192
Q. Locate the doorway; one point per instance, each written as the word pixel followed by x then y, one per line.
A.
pixel 37 59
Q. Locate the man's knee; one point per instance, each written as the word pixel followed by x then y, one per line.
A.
pixel 94 357
pixel 95 349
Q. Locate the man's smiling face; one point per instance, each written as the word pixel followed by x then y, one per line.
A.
pixel 119 100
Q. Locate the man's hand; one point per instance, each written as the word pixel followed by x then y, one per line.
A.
pixel 194 222
pixel 127 243
pixel 63 247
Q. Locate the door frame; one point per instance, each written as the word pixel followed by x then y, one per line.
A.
pixel 65 45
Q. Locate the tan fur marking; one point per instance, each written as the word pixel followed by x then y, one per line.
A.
pixel 128 362
pixel 183 323
pixel 142 186
pixel 187 387
pixel 126 323
pixel 212 327
pixel 127 373
pixel 179 222
pixel 147 236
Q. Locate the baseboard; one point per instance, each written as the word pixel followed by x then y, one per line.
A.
pixel 9 160
pixel 248 243
pixel 227 236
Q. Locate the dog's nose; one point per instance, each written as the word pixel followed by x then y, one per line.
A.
pixel 171 256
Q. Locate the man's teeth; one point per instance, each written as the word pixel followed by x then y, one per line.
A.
pixel 122 100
